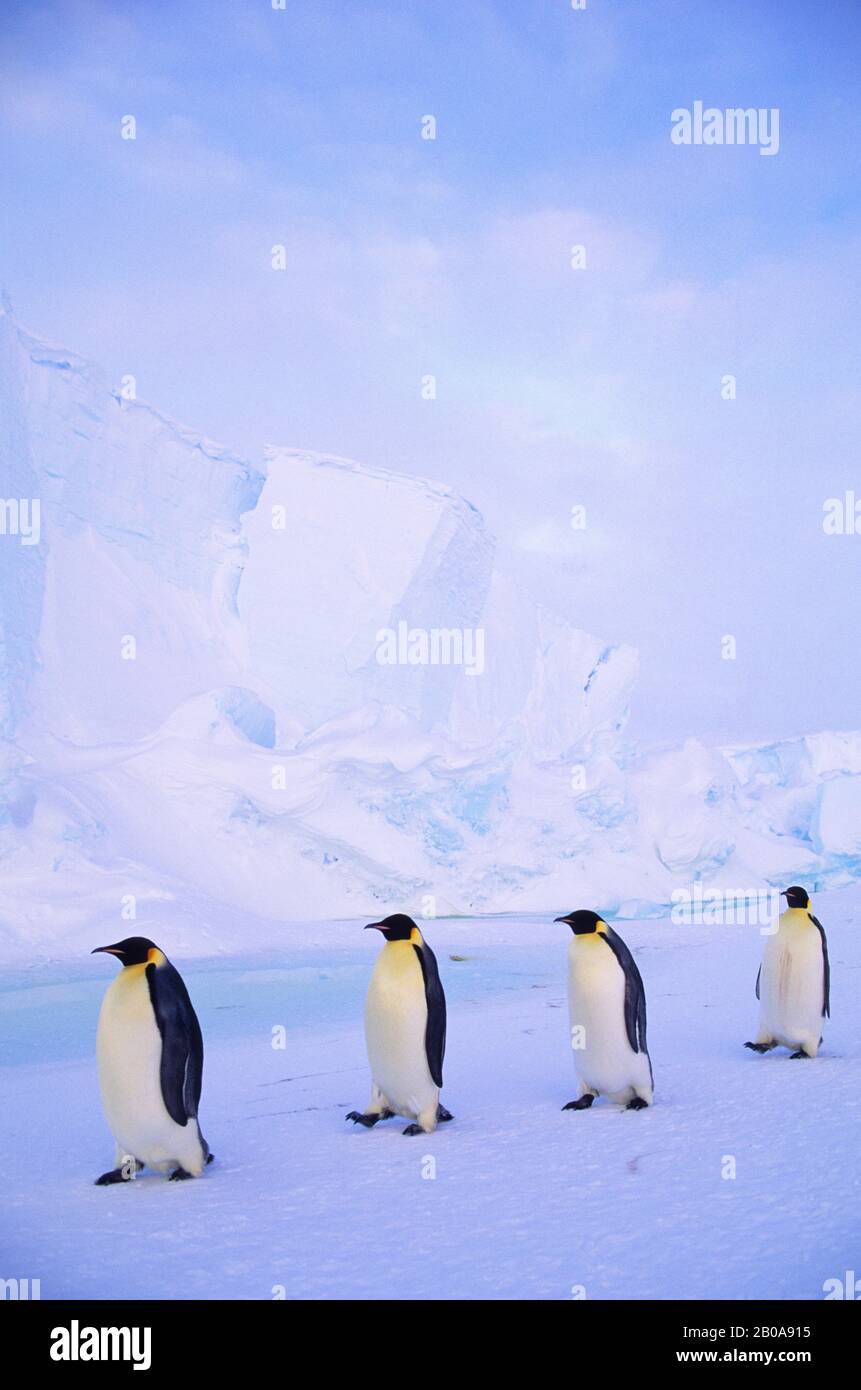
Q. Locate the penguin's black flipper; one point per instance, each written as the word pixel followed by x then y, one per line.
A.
pixel 635 994
pixel 826 992
pixel 181 1042
pixel 435 1031
pixel 758 977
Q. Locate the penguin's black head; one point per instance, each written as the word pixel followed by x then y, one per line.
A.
pixel 399 927
pixel 796 897
pixel 581 922
pixel 133 951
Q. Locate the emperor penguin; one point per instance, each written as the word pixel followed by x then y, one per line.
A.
pixel 607 1012
pixel 793 984
pixel 404 1030
pixel 150 1055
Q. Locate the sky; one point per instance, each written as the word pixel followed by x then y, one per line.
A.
pixel 598 386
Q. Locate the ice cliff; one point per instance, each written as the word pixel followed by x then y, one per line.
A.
pixel 197 723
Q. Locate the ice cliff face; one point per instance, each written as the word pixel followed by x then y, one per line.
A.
pixel 338 552
pixel 233 693
pixel 140 538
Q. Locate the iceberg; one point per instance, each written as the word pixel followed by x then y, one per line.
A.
pixel 198 728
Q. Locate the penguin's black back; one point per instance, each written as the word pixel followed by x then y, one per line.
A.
pixel 435 996
pixel 635 993
pixel 826 967
pixel 181 1071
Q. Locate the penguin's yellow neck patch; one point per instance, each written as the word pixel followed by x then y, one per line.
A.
pixel 416 938
pixel 798 917
pixel 589 938
pixel 156 957
pixel 129 974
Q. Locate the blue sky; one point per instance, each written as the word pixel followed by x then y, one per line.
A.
pixel 406 256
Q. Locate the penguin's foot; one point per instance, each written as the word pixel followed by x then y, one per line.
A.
pixel 582 1104
pixel 760 1047
pixel 179 1175
pixel 368 1120
pixel 117 1175
pixel 442 1114
pixel 637 1103
pixel 799 1053
pixel 416 1129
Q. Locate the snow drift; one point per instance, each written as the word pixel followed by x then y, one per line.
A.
pixel 195 715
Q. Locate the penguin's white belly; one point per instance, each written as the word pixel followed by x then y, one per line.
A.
pixel 128 1049
pixel 395 1026
pixel 604 1060
pixel 791 987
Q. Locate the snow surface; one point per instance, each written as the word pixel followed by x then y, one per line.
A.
pixel 255 765
pixel 527 1202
